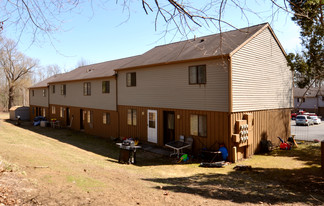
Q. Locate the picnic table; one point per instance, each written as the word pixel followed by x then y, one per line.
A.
pixel 177 147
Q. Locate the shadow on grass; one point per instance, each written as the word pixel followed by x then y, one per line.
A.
pixel 99 145
pixel 308 152
pixel 260 185
pixel 271 186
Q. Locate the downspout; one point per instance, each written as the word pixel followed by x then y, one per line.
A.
pixel 48 101
pixel 118 115
pixel 231 148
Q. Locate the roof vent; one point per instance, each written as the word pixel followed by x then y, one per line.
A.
pixel 89 70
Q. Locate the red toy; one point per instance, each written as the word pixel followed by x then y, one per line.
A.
pixel 285 146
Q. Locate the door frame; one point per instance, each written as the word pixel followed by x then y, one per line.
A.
pixel 81 120
pixel 67 110
pixel 166 130
pixel 152 133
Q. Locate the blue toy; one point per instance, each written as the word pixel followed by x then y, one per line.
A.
pixel 224 152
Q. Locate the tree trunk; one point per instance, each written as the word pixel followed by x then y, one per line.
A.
pixel 11 97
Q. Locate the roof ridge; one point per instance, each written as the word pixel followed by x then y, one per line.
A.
pixel 108 61
pixel 201 37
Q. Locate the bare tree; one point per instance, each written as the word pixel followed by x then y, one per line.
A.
pixel 184 16
pixel 82 62
pixel 15 66
pixel 41 73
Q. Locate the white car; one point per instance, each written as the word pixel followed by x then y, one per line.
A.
pixel 304 120
pixel 316 120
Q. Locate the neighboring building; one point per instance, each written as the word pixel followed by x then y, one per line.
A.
pixel 310 101
pixel 86 98
pixel 38 98
pixel 209 88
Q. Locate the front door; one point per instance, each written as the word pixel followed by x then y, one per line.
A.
pixel 168 127
pixel 68 116
pixel 152 126
pixel 81 120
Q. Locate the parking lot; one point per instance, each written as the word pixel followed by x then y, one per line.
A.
pixel 307 133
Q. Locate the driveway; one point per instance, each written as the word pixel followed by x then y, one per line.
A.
pixel 308 133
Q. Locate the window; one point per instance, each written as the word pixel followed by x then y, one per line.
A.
pixel 33 93
pixel 197 74
pixel 44 92
pixel 86 88
pixel 131 79
pixel 90 118
pixel 198 125
pixel 152 120
pixel 300 99
pixel 53 110
pixel 53 89
pixel 63 89
pixel 131 117
pixel 62 112
pixel 43 112
pixel 106 118
pixel 105 86
pixel 322 98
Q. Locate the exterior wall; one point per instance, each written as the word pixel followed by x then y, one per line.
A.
pixel 38 98
pixel 320 101
pixel 310 103
pixel 74 95
pixel 217 126
pixel 260 76
pixel 33 112
pixel 266 124
pixel 97 128
pixel 168 87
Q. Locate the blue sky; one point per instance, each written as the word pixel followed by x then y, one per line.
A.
pixel 113 32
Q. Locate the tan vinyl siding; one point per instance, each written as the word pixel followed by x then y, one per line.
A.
pixel 38 99
pixel 168 87
pixel 75 97
pixel 260 76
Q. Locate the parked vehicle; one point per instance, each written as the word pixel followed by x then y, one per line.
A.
pixel 293 116
pixel 301 112
pixel 304 120
pixel 316 119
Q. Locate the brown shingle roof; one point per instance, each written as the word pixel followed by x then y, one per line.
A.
pixel 202 47
pixel 104 69
pixel 45 82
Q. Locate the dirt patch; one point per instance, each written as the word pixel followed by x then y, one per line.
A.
pixel 14 188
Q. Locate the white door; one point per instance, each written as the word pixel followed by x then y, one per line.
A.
pixel 152 126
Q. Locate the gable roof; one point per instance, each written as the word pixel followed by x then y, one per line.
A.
pixel 45 82
pixel 225 43
pixel 197 48
pixel 99 70
pixel 312 92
